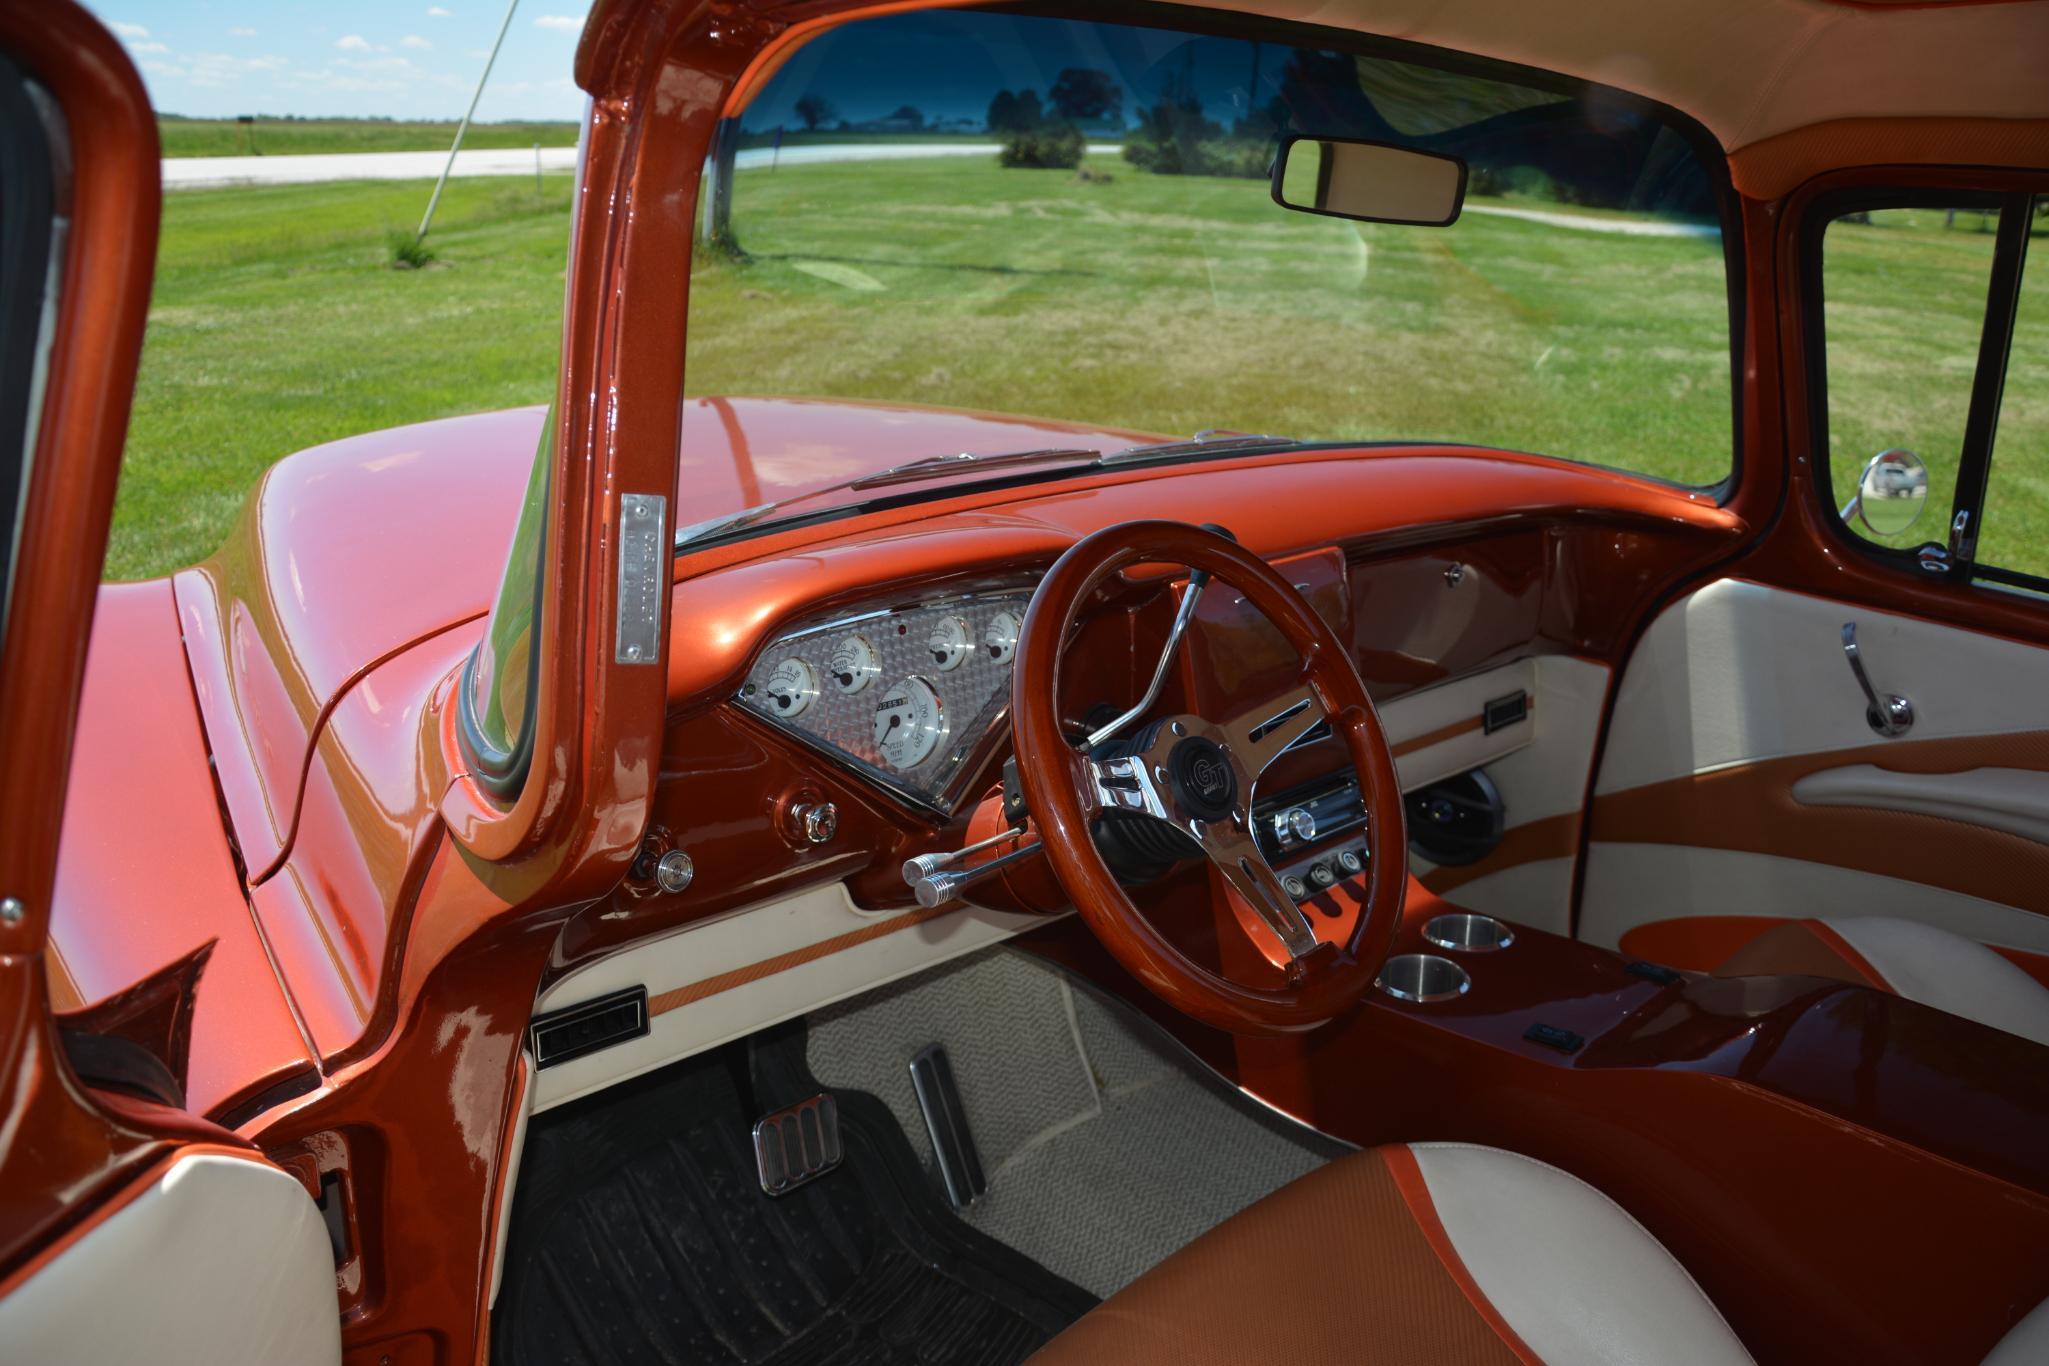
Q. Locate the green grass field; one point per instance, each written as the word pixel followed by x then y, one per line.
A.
pixel 1175 304
pixel 277 323
pixel 280 137
pixel 1158 303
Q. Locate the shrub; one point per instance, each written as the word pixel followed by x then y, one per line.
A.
pixel 1245 158
pixel 1173 138
pixel 1054 146
pixel 408 252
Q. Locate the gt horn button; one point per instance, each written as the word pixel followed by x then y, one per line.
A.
pixel 1203 778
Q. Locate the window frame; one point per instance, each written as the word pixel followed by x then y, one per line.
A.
pixel 1951 554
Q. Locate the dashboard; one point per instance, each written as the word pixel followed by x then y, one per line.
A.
pixel 905 693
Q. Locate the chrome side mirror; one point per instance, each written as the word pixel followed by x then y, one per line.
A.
pixel 1375 182
pixel 1891 493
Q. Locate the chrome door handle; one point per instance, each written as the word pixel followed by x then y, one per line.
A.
pixel 1890 715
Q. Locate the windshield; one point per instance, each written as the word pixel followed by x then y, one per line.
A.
pixel 1073 221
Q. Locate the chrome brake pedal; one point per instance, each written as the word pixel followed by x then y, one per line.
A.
pixel 798 1144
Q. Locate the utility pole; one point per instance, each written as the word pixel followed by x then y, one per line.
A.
pixel 718 226
pixel 463 127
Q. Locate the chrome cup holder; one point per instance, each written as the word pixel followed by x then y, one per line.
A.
pixel 1463 932
pixel 1422 977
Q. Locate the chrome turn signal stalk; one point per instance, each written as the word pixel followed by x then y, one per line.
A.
pixel 936 889
pixel 926 865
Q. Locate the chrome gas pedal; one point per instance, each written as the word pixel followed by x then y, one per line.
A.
pixel 799 1144
pixel 946 1121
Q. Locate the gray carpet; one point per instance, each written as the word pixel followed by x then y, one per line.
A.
pixel 1105 1150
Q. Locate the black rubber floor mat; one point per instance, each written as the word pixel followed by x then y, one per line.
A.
pixel 640 1234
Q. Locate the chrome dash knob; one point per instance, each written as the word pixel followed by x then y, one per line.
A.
pixel 817 822
pixel 1295 825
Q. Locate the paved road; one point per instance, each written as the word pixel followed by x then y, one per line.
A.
pixel 1625 227
pixel 194 173
pixel 756 157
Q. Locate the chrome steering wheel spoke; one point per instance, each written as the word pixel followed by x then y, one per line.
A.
pixel 1189 777
pixel 1257 736
pixel 1236 854
pixel 1127 784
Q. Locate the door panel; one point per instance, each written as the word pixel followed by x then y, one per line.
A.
pixel 1527 878
pixel 1741 777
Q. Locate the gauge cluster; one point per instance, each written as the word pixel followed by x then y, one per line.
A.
pixel 907 693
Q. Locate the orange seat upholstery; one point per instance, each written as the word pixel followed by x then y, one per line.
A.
pixel 1438 1252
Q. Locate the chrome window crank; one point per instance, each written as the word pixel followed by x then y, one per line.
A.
pixel 1891 715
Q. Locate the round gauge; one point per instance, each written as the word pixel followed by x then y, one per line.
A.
pixel 1000 640
pixel 950 644
pixel 792 687
pixel 853 664
pixel 909 723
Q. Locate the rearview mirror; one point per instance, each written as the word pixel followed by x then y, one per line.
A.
pixel 1374 182
pixel 1890 494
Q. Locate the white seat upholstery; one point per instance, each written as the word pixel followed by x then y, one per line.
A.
pixel 2027 1344
pixel 1907 958
pixel 1949 972
pixel 1575 1276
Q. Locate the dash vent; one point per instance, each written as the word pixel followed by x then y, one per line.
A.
pixel 1506 711
pixel 588 1026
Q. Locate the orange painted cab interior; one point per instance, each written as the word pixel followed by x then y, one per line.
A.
pixel 832 858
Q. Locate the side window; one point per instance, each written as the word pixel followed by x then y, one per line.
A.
pixel 2015 534
pixel 31 238
pixel 1935 364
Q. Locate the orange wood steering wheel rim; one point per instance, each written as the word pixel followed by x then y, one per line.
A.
pixel 1321 985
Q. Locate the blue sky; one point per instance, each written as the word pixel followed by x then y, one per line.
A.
pixel 407 59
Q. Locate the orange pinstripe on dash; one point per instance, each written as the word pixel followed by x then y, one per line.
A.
pixel 1415 1191
pixel 783 962
pixel 1438 736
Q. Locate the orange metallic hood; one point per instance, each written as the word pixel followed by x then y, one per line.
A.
pixel 352 552
pixel 741 452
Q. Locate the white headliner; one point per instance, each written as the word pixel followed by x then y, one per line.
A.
pixel 1748 69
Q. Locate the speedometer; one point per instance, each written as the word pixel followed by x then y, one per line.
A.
pixel 909 723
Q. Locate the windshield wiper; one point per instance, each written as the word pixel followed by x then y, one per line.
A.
pixel 910 471
pixel 1206 443
pixel 967 462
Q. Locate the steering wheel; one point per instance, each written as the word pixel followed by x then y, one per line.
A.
pixel 1197 776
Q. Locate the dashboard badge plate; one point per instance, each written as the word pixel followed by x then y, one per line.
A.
pixel 643 578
